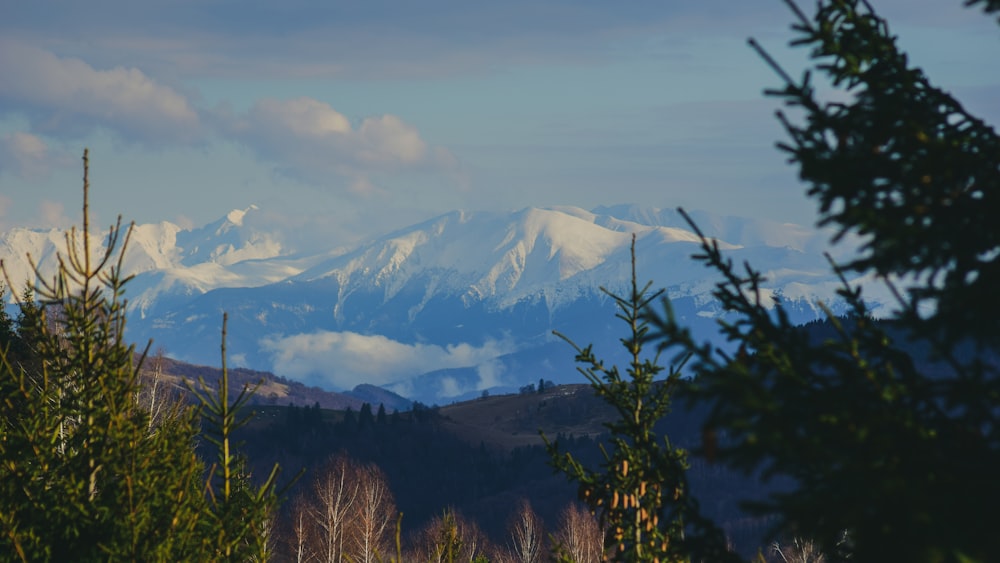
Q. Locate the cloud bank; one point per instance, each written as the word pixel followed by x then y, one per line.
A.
pixel 309 140
pixel 24 155
pixel 68 96
pixel 303 138
pixel 343 360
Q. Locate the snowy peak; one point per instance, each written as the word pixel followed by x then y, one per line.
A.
pixel 152 247
pixel 495 257
pixel 542 246
pixel 468 290
pixel 479 247
pixel 554 254
pixel 233 251
pixel 232 239
pixel 235 217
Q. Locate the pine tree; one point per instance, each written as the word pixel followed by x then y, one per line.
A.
pixel 83 476
pixel 891 437
pixel 640 491
pixel 239 515
pixel 85 473
pixel 8 332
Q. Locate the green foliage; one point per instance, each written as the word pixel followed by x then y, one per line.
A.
pixel 896 453
pixel 84 476
pixel 240 514
pixel 448 542
pixel 8 332
pixel 641 490
pixel 989 6
pixel 86 473
pixel 902 164
pixel 23 351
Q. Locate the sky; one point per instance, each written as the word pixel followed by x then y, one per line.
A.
pixel 346 119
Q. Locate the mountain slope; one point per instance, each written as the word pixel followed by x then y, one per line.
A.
pixel 442 309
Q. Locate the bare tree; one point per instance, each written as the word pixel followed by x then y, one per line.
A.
pixel 449 538
pixel 580 537
pixel 475 543
pixel 160 399
pixel 301 531
pixel 799 551
pixel 265 530
pixel 374 515
pixel 526 536
pixel 335 491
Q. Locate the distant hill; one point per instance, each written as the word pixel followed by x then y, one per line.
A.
pixel 517 420
pixel 273 390
pixel 483 455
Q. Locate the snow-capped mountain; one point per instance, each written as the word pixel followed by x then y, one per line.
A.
pixel 168 261
pixel 460 303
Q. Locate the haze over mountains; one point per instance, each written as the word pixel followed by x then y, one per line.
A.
pixel 440 310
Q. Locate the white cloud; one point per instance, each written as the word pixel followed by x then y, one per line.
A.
pixel 490 375
pixel 52 214
pixel 303 138
pixel 387 139
pixel 301 117
pixel 68 96
pixel 449 387
pixel 309 140
pixel 23 155
pixel 345 359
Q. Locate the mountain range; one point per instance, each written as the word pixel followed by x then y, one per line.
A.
pixel 442 310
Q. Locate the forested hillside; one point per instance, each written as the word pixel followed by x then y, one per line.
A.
pixel 436 458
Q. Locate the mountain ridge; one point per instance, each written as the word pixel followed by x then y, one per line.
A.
pixel 465 297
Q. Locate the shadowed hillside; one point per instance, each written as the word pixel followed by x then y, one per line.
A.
pixel 483 456
pixel 274 389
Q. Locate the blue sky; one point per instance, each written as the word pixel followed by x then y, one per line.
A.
pixel 345 119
